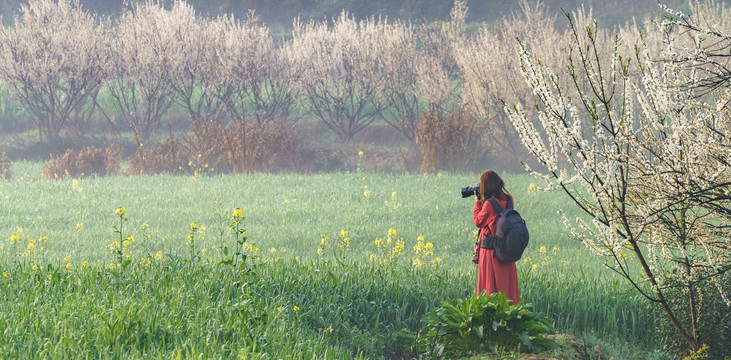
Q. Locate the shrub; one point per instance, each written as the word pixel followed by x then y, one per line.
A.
pixel 484 323
pixel 239 147
pixel 167 157
pixel 259 147
pixel 88 161
pixel 451 142
pixel 713 325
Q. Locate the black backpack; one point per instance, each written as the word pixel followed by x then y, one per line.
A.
pixel 511 233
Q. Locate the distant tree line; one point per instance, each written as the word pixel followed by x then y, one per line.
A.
pixel 438 84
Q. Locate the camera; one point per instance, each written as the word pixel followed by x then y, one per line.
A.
pixel 469 191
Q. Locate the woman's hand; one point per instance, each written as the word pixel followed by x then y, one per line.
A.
pixel 475 255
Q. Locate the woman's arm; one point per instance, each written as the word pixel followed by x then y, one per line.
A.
pixel 481 214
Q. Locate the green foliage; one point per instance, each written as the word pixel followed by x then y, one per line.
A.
pixel 714 320
pixel 485 323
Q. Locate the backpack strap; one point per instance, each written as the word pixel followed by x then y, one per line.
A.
pixel 496 205
pixel 488 242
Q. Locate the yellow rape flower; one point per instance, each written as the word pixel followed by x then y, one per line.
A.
pixel 296 308
pixel 121 211
pixel 158 255
pixel 543 250
pixel 238 216
pixel 428 248
pixel 419 247
pixel 128 241
pixel 532 188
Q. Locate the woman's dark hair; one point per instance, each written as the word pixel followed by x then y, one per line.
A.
pixel 492 185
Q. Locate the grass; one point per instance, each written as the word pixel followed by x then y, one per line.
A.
pixel 288 302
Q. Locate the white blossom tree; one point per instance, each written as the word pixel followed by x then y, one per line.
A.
pixel 653 176
pixel 194 75
pixel 400 60
pixel 439 77
pixel 491 76
pixel 52 60
pixel 146 53
pixel 340 72
pixel 251 74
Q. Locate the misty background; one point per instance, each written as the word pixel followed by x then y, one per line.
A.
pixel 278 14
pixel 309 142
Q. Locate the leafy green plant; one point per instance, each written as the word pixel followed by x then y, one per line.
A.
pixel 484 323
pixel 240 234
pixel 121 247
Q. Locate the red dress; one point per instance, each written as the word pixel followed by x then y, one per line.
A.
pixel 494 275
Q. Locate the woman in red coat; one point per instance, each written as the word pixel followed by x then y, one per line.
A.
pixel 493 275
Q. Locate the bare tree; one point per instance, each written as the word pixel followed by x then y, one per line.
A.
pixel 52 62
pixel 653 177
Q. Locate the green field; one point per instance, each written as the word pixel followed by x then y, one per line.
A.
pixel 67 296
